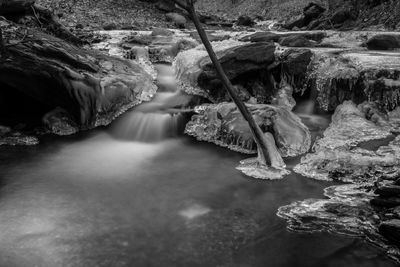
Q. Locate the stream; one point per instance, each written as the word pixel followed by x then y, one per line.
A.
pixel 93 200
pixel 141 193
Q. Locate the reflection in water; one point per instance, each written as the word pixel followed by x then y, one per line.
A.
pixel 194 211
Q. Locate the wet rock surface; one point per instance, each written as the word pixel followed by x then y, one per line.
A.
pixel 366 205
pixel 311 12
pixel 384 42
pixel 91 88
pixel 223 125
pixel 197 75
pixel 337 155
pixel 280 37
pixel 11 137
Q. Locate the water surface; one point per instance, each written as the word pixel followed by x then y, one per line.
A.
pixel 93 200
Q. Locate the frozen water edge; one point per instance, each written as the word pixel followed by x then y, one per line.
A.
pixel 346 211
pixel 252 168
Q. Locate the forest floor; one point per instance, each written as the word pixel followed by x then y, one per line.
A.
pixel 140 15
pixel 135 15
pixel 144 15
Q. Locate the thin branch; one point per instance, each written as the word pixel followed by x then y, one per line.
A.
pixel 36 16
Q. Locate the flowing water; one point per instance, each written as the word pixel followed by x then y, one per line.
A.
pixel 140 194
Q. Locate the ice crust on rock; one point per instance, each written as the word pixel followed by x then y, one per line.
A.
pixel 222 124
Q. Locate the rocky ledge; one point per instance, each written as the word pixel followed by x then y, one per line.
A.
pixel 65 88
pixel 223 125
pixel 361 148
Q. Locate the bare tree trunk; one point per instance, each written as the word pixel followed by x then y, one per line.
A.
pixel 266 157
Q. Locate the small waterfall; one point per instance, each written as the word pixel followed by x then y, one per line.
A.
pixel 149 127
pixel 316 120
pixel 159 119
pixel 307 107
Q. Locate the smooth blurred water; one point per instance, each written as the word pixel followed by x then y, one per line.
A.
pixel 92 200
pixel 140 194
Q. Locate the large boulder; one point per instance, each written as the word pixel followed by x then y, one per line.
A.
pixel 384 42
pixel 177 19
pixel 166 5
pixel 316 36
pixel 224 125
pixel 240 61
pixel 391 230
pixel 90 87
pixel 296 41
pixel 346 152
pixel 245 21
pixel 295 66
pixel 311 12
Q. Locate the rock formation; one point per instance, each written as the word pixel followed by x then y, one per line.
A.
pixel 91 88
pixel 223 125
pixel 197 75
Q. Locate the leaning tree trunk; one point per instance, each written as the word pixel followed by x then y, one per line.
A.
pixel 264 145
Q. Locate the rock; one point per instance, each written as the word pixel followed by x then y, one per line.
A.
pixel 79 26
pixel 223 125
pixel 350 127
pixel 391 230
pixel 295 66
pixel 178 20
pixel 18 139
pixel 169 49
pixel 311 12
pixel 335 79
pixel 138 39
pixel 91 87
pixel 4 130
pixel 295 41
pixel 161 32
pixel 211 37
pixel 295 23
pixel 388 190
pixel 161 45
pixel 197 75
pixel 337 156
pixel 316 36
pixel 128 27
pixel 166 5
pixel 110 26
pixel 384 42
pixel 385 202
pixel 396 211
pixel 342 15
pixel 245 21
pixel 60 122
